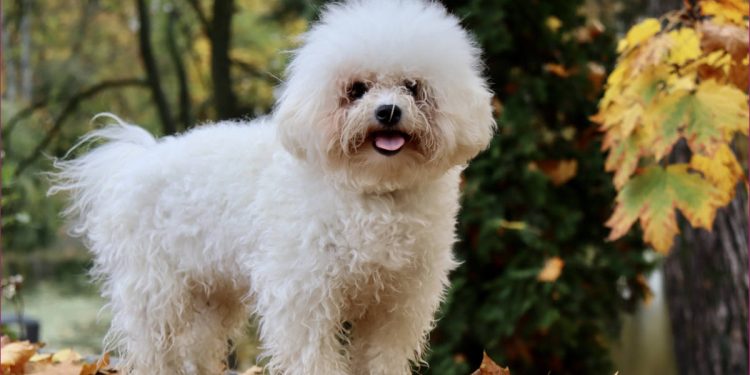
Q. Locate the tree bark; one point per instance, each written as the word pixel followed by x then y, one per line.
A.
pixel 152 72
pixel 707 294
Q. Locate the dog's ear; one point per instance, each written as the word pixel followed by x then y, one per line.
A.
pixel 291 116
pixel 303 110
pixel 470 113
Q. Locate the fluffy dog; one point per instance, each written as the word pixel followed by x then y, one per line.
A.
pixel 331 221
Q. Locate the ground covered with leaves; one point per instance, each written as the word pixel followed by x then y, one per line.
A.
pixel 23 357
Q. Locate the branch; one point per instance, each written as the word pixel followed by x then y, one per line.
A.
pixel 71 105
pixel 152 73
pixel 201 17
pixel 22 114
pixel 254 72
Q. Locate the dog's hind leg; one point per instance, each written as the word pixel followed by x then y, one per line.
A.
pixel 218 313
pixel 171 326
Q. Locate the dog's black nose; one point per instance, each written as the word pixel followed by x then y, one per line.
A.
pixel 388 114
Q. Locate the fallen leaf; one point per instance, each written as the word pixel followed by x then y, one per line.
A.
pixel 60 368
pixel 14 355
pixel 41 358
pixel 552 270
pixel 93 368
pixel 557 69
pixel 512 225
pixel 66 355
pixel 558 171
pixel 489 367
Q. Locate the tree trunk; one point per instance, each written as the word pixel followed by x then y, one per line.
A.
pixel 152 72
pixel 706 277
pixel 184 88
pixel 220 32
pixel 10 78
pixel 25 66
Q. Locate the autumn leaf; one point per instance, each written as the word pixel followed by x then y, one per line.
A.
pixel 552 270
pixel 558 171
pixel 623 160
pixel 639 33
pixel 725 11
pixel 66 355
pixel 684 82
pixel 721 169
pixel 13 356
pixel 553 23
pixel 557 69
pixel 711 115
pixel 94 368
pixel 489 367
pixel 652 198
pixel 685 46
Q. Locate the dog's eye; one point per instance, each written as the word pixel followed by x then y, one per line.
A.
pixel 356 90
pixel 413 87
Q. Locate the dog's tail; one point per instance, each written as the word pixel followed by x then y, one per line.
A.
pixel 92 179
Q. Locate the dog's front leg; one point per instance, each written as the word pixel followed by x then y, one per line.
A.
pixel 300 325
pixel 392 334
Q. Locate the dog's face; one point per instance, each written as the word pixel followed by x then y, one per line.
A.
pixel 381 117
pixel 383 103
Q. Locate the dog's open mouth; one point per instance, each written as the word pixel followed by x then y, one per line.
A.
pixel 389 142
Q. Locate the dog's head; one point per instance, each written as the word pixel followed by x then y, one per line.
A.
pixel 385 94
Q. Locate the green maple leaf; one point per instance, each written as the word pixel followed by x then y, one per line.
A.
pixel 652 197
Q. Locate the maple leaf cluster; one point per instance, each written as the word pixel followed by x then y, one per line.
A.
pixel 682 77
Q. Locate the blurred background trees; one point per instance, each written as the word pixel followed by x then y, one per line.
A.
pixel 540 289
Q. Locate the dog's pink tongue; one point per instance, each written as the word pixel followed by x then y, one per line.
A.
pixel 390 142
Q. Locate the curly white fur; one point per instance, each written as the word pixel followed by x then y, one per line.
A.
pixel 297 218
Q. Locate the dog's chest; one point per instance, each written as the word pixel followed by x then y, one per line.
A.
pixel 379 235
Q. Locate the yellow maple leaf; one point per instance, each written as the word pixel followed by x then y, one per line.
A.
pixel 722 169
pixel 725 11
pixel 686 46
pixel 551 270
pixel 638 33
pixel 727 106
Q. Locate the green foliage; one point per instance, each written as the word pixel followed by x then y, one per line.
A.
pixel 542 61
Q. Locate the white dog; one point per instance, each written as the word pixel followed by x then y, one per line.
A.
pixel 339 208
